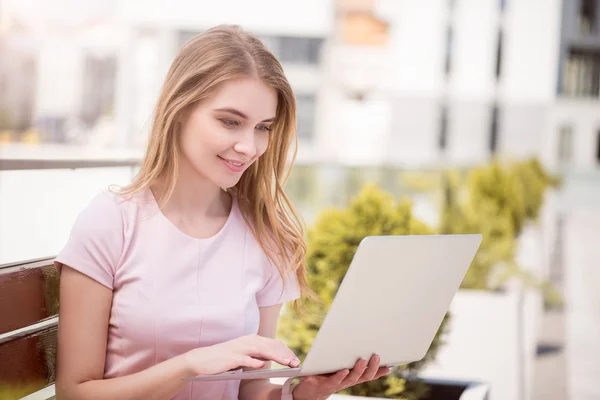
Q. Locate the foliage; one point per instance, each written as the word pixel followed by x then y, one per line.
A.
pixel 496 200
pixel 332 242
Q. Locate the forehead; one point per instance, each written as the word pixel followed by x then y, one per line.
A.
pixel 251 96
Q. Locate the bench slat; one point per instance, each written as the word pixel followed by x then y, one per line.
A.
pixel 27 364
pixel 29 330
pixel 28 294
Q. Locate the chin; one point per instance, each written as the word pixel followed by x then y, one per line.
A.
pixel 227 183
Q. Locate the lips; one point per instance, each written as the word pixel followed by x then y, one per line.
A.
pixel 233 165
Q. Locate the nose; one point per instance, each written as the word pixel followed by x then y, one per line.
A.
pixel 246 144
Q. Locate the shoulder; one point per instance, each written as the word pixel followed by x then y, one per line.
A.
pixel 102 211
pixel 113 206
pixel 109 213
pixel 95 243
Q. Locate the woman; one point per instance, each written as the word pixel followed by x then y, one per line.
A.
pixel 184 271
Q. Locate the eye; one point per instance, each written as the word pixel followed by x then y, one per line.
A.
pixel 229 123
pixel 263 128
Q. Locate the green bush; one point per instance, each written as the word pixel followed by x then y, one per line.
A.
pixel 496 200
pixel 332 242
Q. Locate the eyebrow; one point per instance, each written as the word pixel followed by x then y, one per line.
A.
pixel 241 114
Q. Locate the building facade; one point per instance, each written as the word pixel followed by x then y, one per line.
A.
pixel 457 81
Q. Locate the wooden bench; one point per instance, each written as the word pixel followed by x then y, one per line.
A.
pixel 29 293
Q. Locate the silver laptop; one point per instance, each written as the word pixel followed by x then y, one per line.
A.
pixel 391 302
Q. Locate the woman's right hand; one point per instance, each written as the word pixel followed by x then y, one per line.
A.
pixel 251 351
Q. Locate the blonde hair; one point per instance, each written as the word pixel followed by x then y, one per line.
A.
pixel 220 54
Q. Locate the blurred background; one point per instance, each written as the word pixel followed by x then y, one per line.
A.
pixel 394 93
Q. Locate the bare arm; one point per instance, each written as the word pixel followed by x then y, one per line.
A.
pixel 262 389
pixel 83 328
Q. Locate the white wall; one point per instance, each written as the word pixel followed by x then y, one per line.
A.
pixel 582 316
pixel 473 57
pixel 531 51
pixel 417 46
pixel 521 128
pixel 527 85
pixel 491 339
pixel 413 131
pixel 468 127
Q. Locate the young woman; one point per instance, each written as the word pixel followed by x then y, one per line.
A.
pixel 184 271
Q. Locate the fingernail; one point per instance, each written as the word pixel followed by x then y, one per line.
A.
pixel 295 362
pixel 286 361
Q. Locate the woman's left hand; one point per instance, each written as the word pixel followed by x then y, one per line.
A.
pixel 319 387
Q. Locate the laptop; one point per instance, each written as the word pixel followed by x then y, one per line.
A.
pixel 391 302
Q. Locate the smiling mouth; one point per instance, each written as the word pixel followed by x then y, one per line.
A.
pixel 236 164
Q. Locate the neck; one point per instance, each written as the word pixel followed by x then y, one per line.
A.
pixel 194 195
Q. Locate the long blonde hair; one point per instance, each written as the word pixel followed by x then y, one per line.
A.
pixel 220 54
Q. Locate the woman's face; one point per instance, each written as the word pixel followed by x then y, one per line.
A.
pixel 225 133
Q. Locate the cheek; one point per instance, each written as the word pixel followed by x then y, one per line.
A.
pixel 192 145
pixel 202 139
pixel 262 143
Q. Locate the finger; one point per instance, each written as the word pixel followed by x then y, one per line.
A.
pixel 381 372
pixel 371 370
pixel 272 350
pixel 251 362
pixel 356 373
pixel 336 379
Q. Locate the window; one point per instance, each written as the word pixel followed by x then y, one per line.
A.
pixel 443 138
pixel 587 16
pixel 448 60
pixel 565 143
pixel 494 129
pixel 98 87
pixel 499 55
pixel 581 76
pixel 300 50
pixel 305 104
